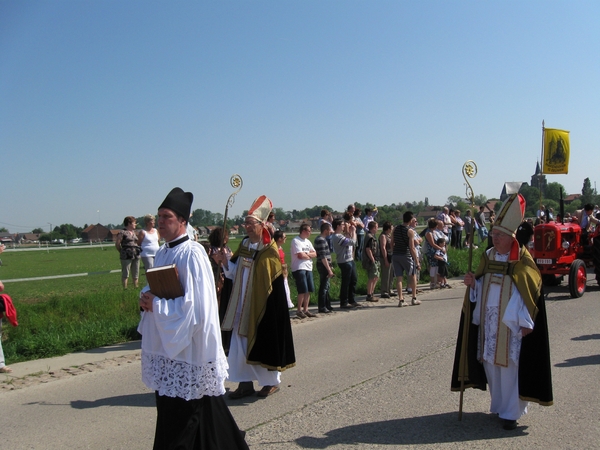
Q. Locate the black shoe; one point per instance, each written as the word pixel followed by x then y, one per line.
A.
pixel 325 311
pixel 509 424
pixel 370 298
pixel 347 306
pixel 244 389
pixel 385 295
pixel 355 305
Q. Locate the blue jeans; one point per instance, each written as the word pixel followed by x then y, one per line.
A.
pixel 324 300
pixel 304 281
pixel 483 234
pixel 349 279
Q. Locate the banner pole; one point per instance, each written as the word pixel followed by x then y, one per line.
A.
pixel 540 175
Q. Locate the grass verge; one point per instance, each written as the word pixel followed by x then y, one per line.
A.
pixel 65 315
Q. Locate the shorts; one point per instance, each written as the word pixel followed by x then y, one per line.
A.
pixel 304 281
pixel 373 270
pixel 403 263
pixel 442 269
pixel 134 265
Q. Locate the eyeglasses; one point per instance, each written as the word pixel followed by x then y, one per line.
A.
pixel 249 224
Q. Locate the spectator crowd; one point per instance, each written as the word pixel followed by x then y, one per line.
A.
pixel 388 253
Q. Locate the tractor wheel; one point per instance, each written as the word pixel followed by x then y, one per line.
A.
pixel 577 278
pixel 596 257
pixel 551 280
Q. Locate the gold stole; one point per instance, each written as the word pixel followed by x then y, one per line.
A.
pixel 245 260
pixel 496 272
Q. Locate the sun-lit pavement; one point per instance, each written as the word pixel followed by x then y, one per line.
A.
pixel 377 377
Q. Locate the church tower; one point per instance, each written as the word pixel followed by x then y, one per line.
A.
pixel 538 180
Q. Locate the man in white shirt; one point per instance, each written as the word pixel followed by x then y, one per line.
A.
pixel 588 220
pixel 303 253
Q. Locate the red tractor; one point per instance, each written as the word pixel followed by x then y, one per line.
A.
pixel 561 249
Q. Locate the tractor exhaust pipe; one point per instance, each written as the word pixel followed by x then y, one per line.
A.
pixel 562 208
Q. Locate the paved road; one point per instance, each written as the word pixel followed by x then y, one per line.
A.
pixel 369 379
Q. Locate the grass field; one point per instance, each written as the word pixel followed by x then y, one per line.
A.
pixel 59 316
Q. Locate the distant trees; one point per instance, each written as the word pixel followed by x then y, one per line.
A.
pixel 455 200
pixel 532 199
pixel 552 191
pixel 587 193
pixel 202 217
pixel 280 214
pixel 65 231
pixel 393 212
pixel 480 199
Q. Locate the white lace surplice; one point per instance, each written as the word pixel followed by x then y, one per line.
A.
pixel 182 354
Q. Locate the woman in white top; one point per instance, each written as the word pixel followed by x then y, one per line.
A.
pixel 148 239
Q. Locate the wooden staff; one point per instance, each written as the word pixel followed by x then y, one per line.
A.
pixel 469 171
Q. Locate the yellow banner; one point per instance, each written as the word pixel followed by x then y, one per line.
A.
pixel 556 151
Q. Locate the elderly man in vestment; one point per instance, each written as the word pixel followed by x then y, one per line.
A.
pixel 182 355
pixel 255 320
pixel 503 335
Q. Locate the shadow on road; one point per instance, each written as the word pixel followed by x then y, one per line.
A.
pixel 586 337
pixel 434 429
pixel 136 400
pixel 580 361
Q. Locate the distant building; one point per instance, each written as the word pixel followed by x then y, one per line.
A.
pixel 97 233
pixel 28 238
pixel 7 238
pixel 511 187
pixel 293 225
pixel 429 212
pixel 113 234
pixel 538 180
pixel 491 204
pixel 205 231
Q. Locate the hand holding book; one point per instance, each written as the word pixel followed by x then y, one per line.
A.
pixel 164 282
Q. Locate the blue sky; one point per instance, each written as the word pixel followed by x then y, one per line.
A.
pixel 107 105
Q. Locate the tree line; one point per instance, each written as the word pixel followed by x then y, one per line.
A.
pixel 200 217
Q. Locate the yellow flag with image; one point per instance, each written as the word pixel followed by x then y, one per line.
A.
pixel 556 151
